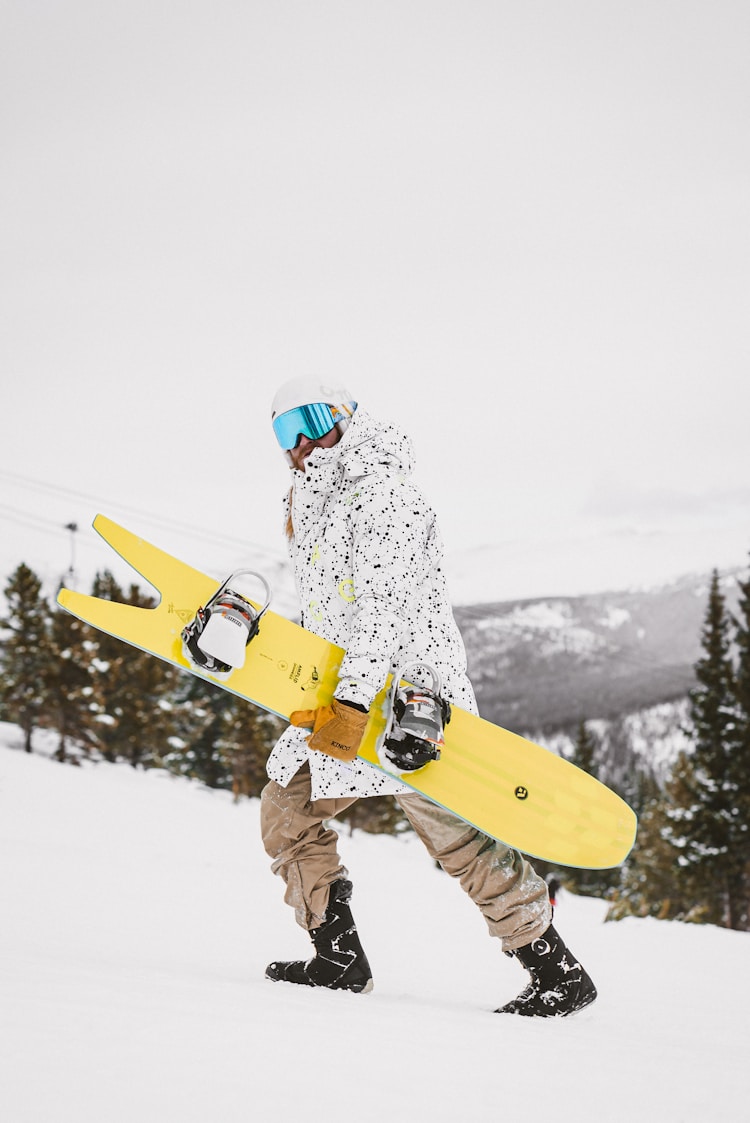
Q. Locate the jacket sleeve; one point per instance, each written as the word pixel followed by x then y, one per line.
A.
pixel 395 546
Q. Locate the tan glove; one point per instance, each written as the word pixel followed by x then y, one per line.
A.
pixel 336 729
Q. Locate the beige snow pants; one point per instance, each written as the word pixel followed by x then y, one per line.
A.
pixel 510 895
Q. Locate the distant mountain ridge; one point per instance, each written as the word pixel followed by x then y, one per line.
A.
pixel 545 664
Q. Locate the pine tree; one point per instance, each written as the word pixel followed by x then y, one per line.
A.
pixel 585 749
pixel 246 740
pixel 379 814
pixel 135 690
pixel 199 722
pixel 651 881
pixel 585 755
pixel 70 683
pixel 219 739
pixel 702 825
pixel 742 678
pixel 25 652
pixel 692 856
pixel 740 758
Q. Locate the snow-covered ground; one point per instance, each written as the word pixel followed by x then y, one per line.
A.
pixel 137 914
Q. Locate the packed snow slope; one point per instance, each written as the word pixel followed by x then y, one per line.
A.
pixel 138 913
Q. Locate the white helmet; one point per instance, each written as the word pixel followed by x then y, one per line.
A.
pixel 309 407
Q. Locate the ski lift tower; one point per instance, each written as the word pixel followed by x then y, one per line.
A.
pixel 70 576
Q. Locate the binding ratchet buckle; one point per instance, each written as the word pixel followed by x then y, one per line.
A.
pixel 417 715
pixel 216 639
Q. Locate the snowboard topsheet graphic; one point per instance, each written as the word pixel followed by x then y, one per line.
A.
pixel 506 786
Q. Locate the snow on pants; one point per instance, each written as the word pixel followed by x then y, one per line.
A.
pixel 304 851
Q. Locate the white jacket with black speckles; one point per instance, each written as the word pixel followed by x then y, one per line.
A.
pixel 367 556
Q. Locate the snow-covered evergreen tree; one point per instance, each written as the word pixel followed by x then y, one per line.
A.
pixel 586 754
pixel 199 722
pixel 740 759
pixel 247 737
pixel 24 652
pixel 70 686
pixel 585 749
pixel 134 689
pixel 703 820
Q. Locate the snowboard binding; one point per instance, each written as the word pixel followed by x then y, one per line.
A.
pixel 417 717
pixel 216 639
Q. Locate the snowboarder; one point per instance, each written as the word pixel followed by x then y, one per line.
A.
pixel 367 556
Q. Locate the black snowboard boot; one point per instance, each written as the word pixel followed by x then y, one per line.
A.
pixel 339 961
pixel 559 985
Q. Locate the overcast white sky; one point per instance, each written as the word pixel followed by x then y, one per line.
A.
pixel 520 229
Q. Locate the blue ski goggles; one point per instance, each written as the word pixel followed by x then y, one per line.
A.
pixel 312 421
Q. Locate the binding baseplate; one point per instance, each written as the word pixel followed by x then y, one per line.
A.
pixel 216 639
pixel 417 716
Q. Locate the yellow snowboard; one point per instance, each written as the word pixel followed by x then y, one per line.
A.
pixel 506 786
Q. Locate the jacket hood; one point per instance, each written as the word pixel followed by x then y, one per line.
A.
pixel 367 448
pixel 370 446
